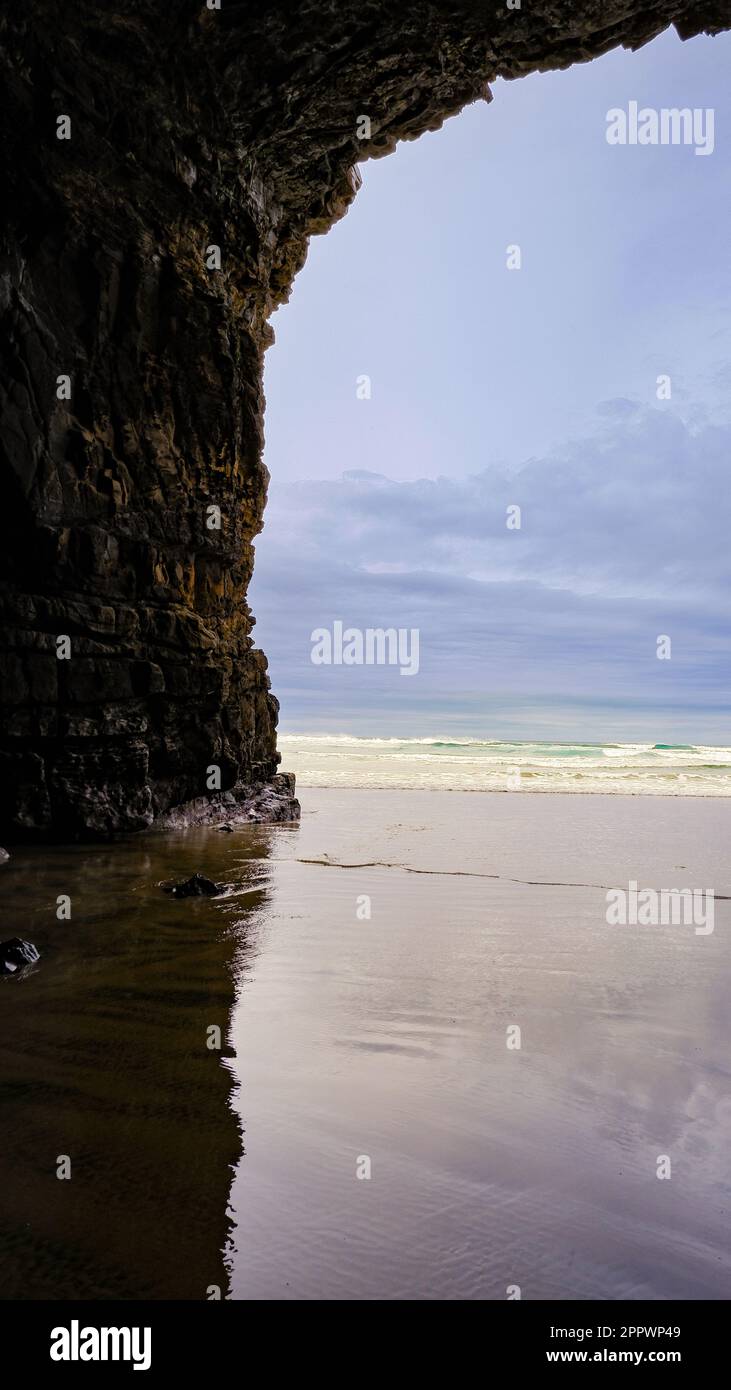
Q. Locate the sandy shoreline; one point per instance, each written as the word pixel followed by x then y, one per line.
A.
pixel 304 786
pixel 369 1013
pixel 490 1166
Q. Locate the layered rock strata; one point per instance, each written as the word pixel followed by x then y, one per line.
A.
pixel 164 167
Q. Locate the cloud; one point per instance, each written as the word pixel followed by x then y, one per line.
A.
pixel 624 536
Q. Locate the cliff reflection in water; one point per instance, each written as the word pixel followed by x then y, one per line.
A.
pixel 104 1058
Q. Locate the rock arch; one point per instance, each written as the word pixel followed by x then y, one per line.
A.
pixel 190 128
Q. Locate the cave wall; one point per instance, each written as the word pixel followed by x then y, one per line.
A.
pixel 191 127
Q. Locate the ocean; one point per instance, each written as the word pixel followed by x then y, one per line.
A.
pixel 478 765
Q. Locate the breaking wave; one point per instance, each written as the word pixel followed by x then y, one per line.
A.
pixel 464 764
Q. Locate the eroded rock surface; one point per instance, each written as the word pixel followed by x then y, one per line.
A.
pixel 190 128
pixel 243 805
pixel 197 886
pixel 16 955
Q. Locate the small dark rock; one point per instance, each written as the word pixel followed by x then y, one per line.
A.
pixel 228 829
pixel 16 954
pixel 196 887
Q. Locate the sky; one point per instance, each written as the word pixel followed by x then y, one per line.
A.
pixel 493 388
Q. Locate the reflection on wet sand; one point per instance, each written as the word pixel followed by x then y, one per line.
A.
pixel 378 1034
pixel 386 1035
pixel 104 1058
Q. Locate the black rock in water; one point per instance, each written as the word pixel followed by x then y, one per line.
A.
pixel 196 887
pixel 227 828
pixel 16 954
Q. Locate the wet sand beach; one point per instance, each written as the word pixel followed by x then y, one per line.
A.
pixel 387 1038
pixel 365 968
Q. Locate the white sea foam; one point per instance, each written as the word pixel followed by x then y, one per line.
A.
pixel 463 764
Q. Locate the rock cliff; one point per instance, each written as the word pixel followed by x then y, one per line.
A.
pixel 163 168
